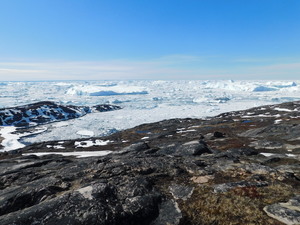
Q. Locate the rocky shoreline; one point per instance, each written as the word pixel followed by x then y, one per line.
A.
pixel 46 112
pixel 240 167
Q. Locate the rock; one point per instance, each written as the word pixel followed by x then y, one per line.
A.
pixel 151 182
pixel 106 108
pixel 168 150
pixel 136 147
pixel 227 186
pixel 45 112
pixel 291 170
pixel 255 168
pixel 288 213
pixel 218 134
pixel 293 202
pixel 30 194
pixel 201 179
pixel 237 153
pixel 90 205
pixel 193 148
pixel 181 192
pixel 169 213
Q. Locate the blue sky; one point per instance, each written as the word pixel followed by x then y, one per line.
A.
pixel 149 39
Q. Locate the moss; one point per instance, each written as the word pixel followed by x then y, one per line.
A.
pixel 238 206
pixel 276 193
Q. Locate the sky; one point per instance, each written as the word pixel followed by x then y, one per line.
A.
pixel 149 39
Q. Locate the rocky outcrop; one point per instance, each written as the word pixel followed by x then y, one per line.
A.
pixel 180 171
pixel 288 213
pixel 45 112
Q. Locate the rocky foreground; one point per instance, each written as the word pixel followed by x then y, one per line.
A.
pixel 181 171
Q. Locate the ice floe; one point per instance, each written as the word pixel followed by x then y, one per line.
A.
pixel 85 133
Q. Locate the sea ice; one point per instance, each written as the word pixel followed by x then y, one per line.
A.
pixel 94 90
pixel 85 133
pixel 164 100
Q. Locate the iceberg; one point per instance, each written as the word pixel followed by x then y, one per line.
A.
pixel 285 85
pixel 263 88
pixel 108 93
pixel 96 90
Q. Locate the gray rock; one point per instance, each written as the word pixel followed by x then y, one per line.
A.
pixel 181 192
pixel 45 112
pixel 227 186
pixel 193 148
pixel 136 147
pixel 169 213
pixel 288 213
pixel 90 205
pixel 255 168
pixel 218 134
pixel 237 153
pixel 16 198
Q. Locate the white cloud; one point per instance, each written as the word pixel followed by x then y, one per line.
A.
pixel 167 67
pixel 13 71
pixel 93 70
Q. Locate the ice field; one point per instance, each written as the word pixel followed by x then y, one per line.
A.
pixel 141 102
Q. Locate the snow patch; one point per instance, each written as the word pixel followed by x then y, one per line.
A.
pixel 87 144
pixel 186 131
pixel 55 146
pixel 11 140
pixel 272 154
pixel 283 110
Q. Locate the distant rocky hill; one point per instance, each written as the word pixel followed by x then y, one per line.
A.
pixel 45 112
pixel 240 167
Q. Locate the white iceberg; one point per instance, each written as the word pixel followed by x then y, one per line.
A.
pixel 96 90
